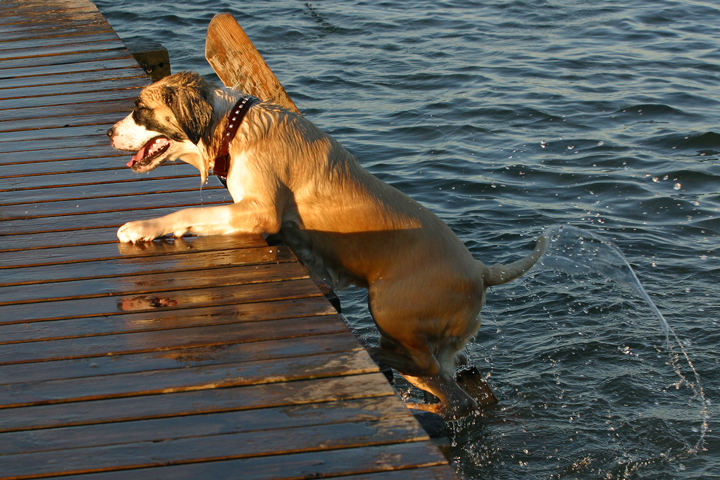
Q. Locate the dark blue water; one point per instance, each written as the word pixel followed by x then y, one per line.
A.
pixel 508 118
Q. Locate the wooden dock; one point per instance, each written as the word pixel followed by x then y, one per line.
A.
pixel 203 358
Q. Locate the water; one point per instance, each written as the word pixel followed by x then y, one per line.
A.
pixel 510 118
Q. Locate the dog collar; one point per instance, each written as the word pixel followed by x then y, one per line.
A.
pixel 221 167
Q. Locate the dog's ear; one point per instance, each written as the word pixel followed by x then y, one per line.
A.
pixel 189 99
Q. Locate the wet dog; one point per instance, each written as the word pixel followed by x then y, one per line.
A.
pixel 287 177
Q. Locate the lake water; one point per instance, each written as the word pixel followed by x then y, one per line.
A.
pixel 510 118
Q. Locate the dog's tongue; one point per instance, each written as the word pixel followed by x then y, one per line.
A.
pixel 148 150
pixel 142 153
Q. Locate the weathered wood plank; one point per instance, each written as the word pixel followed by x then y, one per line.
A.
pixel 238 63
pixel 156 382
pixel 175 178
pixel 96 151
pixel 324 335
pixel 60 68
pixel 52 45
pixel 173 300
pixel 48 116
pixel 142 284
pixel 401 461
pixel 109 249
pixel 164 320
pixel 408 470
pixel 48 122
pixel 24 20
pixel 89 219
pixel 39 240
pixel 111 52
pixel 116 173
pixel 62 78
pixel 51 124
pixel 45 90
pixel 80 206
pixel 233 445
pixel 191 343
pixel 98 164
pixel 58 132
pixel 175 428
pixel 316 390
pixel 77 30
pixel 51 272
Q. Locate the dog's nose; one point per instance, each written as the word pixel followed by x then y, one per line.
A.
pixel 110 132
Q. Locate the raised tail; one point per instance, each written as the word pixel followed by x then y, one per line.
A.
pixel 497 274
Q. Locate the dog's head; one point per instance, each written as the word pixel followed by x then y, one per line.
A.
pixel 171 117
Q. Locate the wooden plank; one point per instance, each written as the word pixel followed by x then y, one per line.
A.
pixel 108 84
pixel 54 44
pixel 148 284
pixel 20 32
pixel 166 340
pixel 54 167
pixel 221 423
pixel 65 121
pixel 410 461
pixel 122 409
pixel 172 300
pixel 81 206
pixel 25 19
pixel 86 152
pixel 21 35
pixel 79 56
pixel 157 382
pixel 114 173
pixel 89 220
pixel 408 470
pixel 304 338
pixel 53 271
pixel 123 61
pixel 176 178
pixel 63 78
pixel 52 115
pixel 59 134
pixel 15 240
pixel 217 447
pixel 163 320
pixel 109 249
pixel 238 63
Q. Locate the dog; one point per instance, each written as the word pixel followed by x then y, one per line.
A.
pixel 286 177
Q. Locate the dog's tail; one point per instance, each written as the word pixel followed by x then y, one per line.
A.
pixel 497 274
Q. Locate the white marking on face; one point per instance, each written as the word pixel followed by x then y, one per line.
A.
pixel 131 136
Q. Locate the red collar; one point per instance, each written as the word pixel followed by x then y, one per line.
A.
pixel 235 118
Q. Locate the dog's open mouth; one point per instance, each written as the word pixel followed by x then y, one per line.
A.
pixel 149 152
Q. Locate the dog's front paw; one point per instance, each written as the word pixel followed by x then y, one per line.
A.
pixel 140 231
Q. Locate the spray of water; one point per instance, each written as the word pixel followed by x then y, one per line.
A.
pixel 575 251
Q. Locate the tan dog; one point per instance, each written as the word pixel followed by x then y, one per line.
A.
pixel 286 176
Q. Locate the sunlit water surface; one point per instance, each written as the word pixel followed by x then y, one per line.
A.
pixel 597 122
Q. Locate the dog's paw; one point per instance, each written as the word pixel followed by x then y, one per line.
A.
pixel 140 231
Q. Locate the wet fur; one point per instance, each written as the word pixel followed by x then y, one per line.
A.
pixel 289 178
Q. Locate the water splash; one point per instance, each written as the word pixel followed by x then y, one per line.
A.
pixel 576 251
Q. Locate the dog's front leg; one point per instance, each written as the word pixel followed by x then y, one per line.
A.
pixel 243 217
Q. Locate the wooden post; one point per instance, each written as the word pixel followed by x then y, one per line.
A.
pixel 238 63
